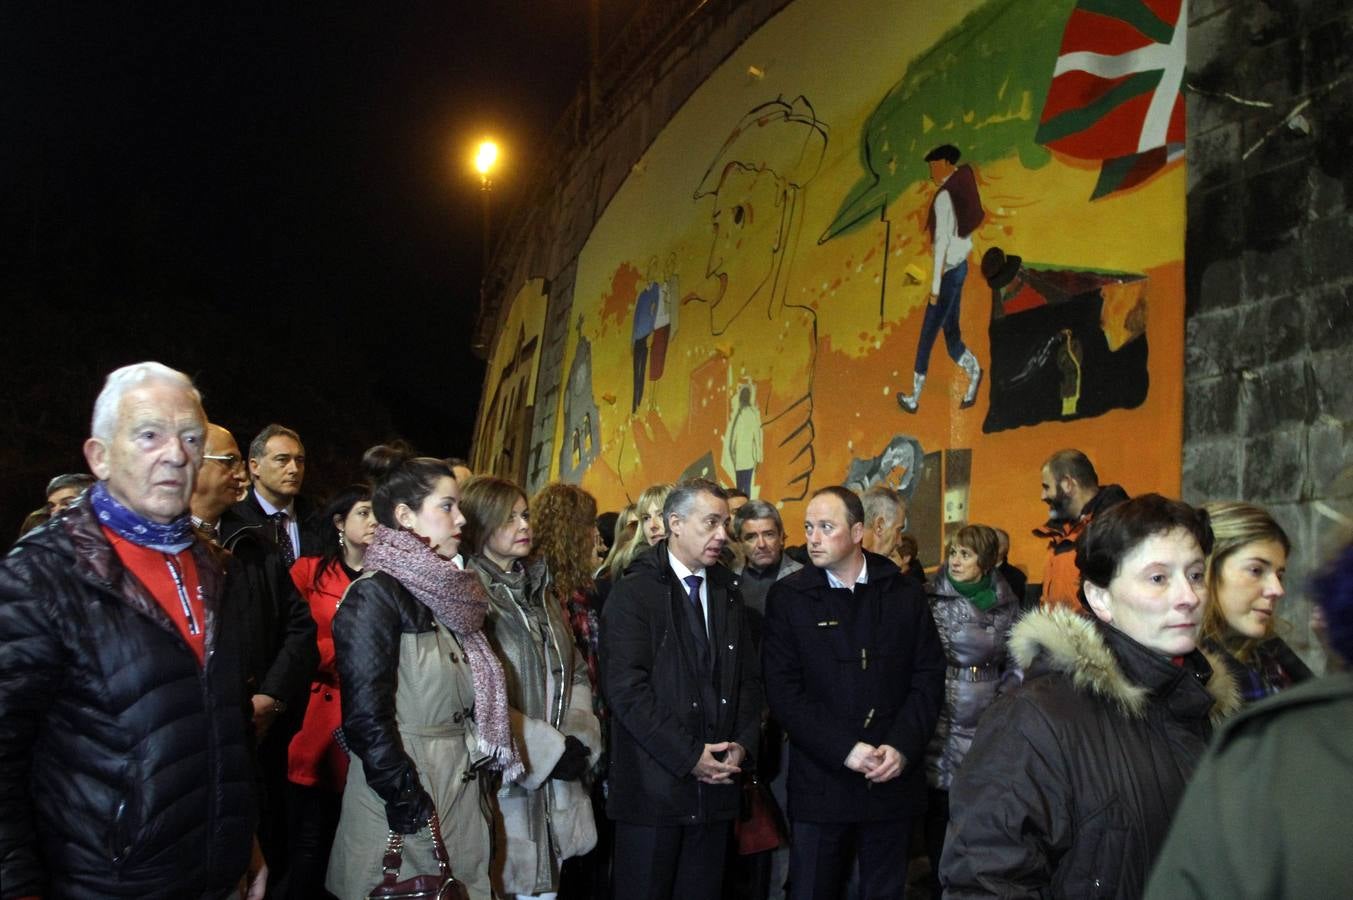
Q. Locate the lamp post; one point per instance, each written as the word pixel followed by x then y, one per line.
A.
pixel 486 157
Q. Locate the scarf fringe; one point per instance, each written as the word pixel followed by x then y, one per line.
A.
pixel 505 759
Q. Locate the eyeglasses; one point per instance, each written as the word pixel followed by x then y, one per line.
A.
pixel 230 460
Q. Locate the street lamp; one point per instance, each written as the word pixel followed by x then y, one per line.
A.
pixel 486 157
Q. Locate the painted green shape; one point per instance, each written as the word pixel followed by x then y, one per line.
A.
pixel 1135 13
pixel 1112 175
pixel 981 86
pixel 1082 117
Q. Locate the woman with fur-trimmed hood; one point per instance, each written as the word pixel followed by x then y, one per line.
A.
pixel 1073 778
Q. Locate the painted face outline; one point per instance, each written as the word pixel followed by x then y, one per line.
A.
pixel 748 220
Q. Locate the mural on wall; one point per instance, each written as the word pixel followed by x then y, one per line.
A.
pixel 505 415
pixel 919 246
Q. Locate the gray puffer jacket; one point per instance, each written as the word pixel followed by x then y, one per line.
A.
pixel 977 668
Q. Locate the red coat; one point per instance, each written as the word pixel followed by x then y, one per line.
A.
pixel 314 757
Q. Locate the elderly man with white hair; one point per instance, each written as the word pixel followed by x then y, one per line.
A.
pixel 124 756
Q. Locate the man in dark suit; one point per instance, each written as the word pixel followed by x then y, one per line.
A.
pixel 685 701
pixel 854 670
pixel 280 654
pixel 277 470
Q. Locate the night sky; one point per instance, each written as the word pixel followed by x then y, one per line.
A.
pixel 273 197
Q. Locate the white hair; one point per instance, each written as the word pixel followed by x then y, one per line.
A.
pixel 881 500
pixel 104 423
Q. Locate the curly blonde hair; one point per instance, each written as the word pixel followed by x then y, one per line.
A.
pixel 564 519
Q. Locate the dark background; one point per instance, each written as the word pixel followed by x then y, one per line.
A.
pixel 275 198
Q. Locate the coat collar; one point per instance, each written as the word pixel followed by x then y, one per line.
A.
pixel 97 563
pixel 1112 666
pixel 879 569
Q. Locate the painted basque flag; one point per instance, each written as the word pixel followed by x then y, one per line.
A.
pixel 1115 92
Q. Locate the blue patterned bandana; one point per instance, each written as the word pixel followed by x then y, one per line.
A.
pixel 171 537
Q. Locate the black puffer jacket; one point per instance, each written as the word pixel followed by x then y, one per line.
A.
pixel 1073 778
pixel 664 708
pixel 376 611
pixel 124 765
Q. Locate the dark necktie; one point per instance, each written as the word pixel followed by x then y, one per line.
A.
pixel 693 588
pixel 211 531
pixel 284 540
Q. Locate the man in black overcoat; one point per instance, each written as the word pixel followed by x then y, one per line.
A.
pixel 854 671
pixel 684 693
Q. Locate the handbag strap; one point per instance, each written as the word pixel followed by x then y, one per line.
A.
pixel 394 852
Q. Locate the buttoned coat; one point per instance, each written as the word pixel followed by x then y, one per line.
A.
pixel 664 706
pixel 843 667
pixel 545 820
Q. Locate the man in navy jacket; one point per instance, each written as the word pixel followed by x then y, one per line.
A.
pixel 853 668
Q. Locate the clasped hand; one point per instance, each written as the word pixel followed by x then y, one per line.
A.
pixel 713 770
pixel 877 764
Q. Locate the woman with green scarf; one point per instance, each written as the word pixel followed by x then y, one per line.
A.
pixel 974 610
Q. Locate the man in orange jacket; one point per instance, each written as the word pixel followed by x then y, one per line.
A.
pixel 1074 496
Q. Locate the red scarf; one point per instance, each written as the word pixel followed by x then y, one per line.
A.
pixel 171 578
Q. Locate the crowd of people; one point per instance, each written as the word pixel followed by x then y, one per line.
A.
pixel 211 686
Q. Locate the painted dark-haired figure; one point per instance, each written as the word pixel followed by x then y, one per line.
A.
pixel 955 213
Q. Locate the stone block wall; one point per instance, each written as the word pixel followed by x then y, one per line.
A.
pixel 1268 409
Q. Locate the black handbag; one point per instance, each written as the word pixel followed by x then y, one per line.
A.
pixel 442 886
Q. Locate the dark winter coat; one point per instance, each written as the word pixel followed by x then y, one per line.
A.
pixel 843 667
pixel 1265 814
pixel 248 512
pixel 280 649
pixel 664 705
pixel 124 764
pixel 977 668
pixel 1073 778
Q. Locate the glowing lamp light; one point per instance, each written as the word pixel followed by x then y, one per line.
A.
pixel 485 157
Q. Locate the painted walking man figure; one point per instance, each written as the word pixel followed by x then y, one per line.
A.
pixel 955 214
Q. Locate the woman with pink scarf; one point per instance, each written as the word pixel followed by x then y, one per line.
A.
pixel 424 700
